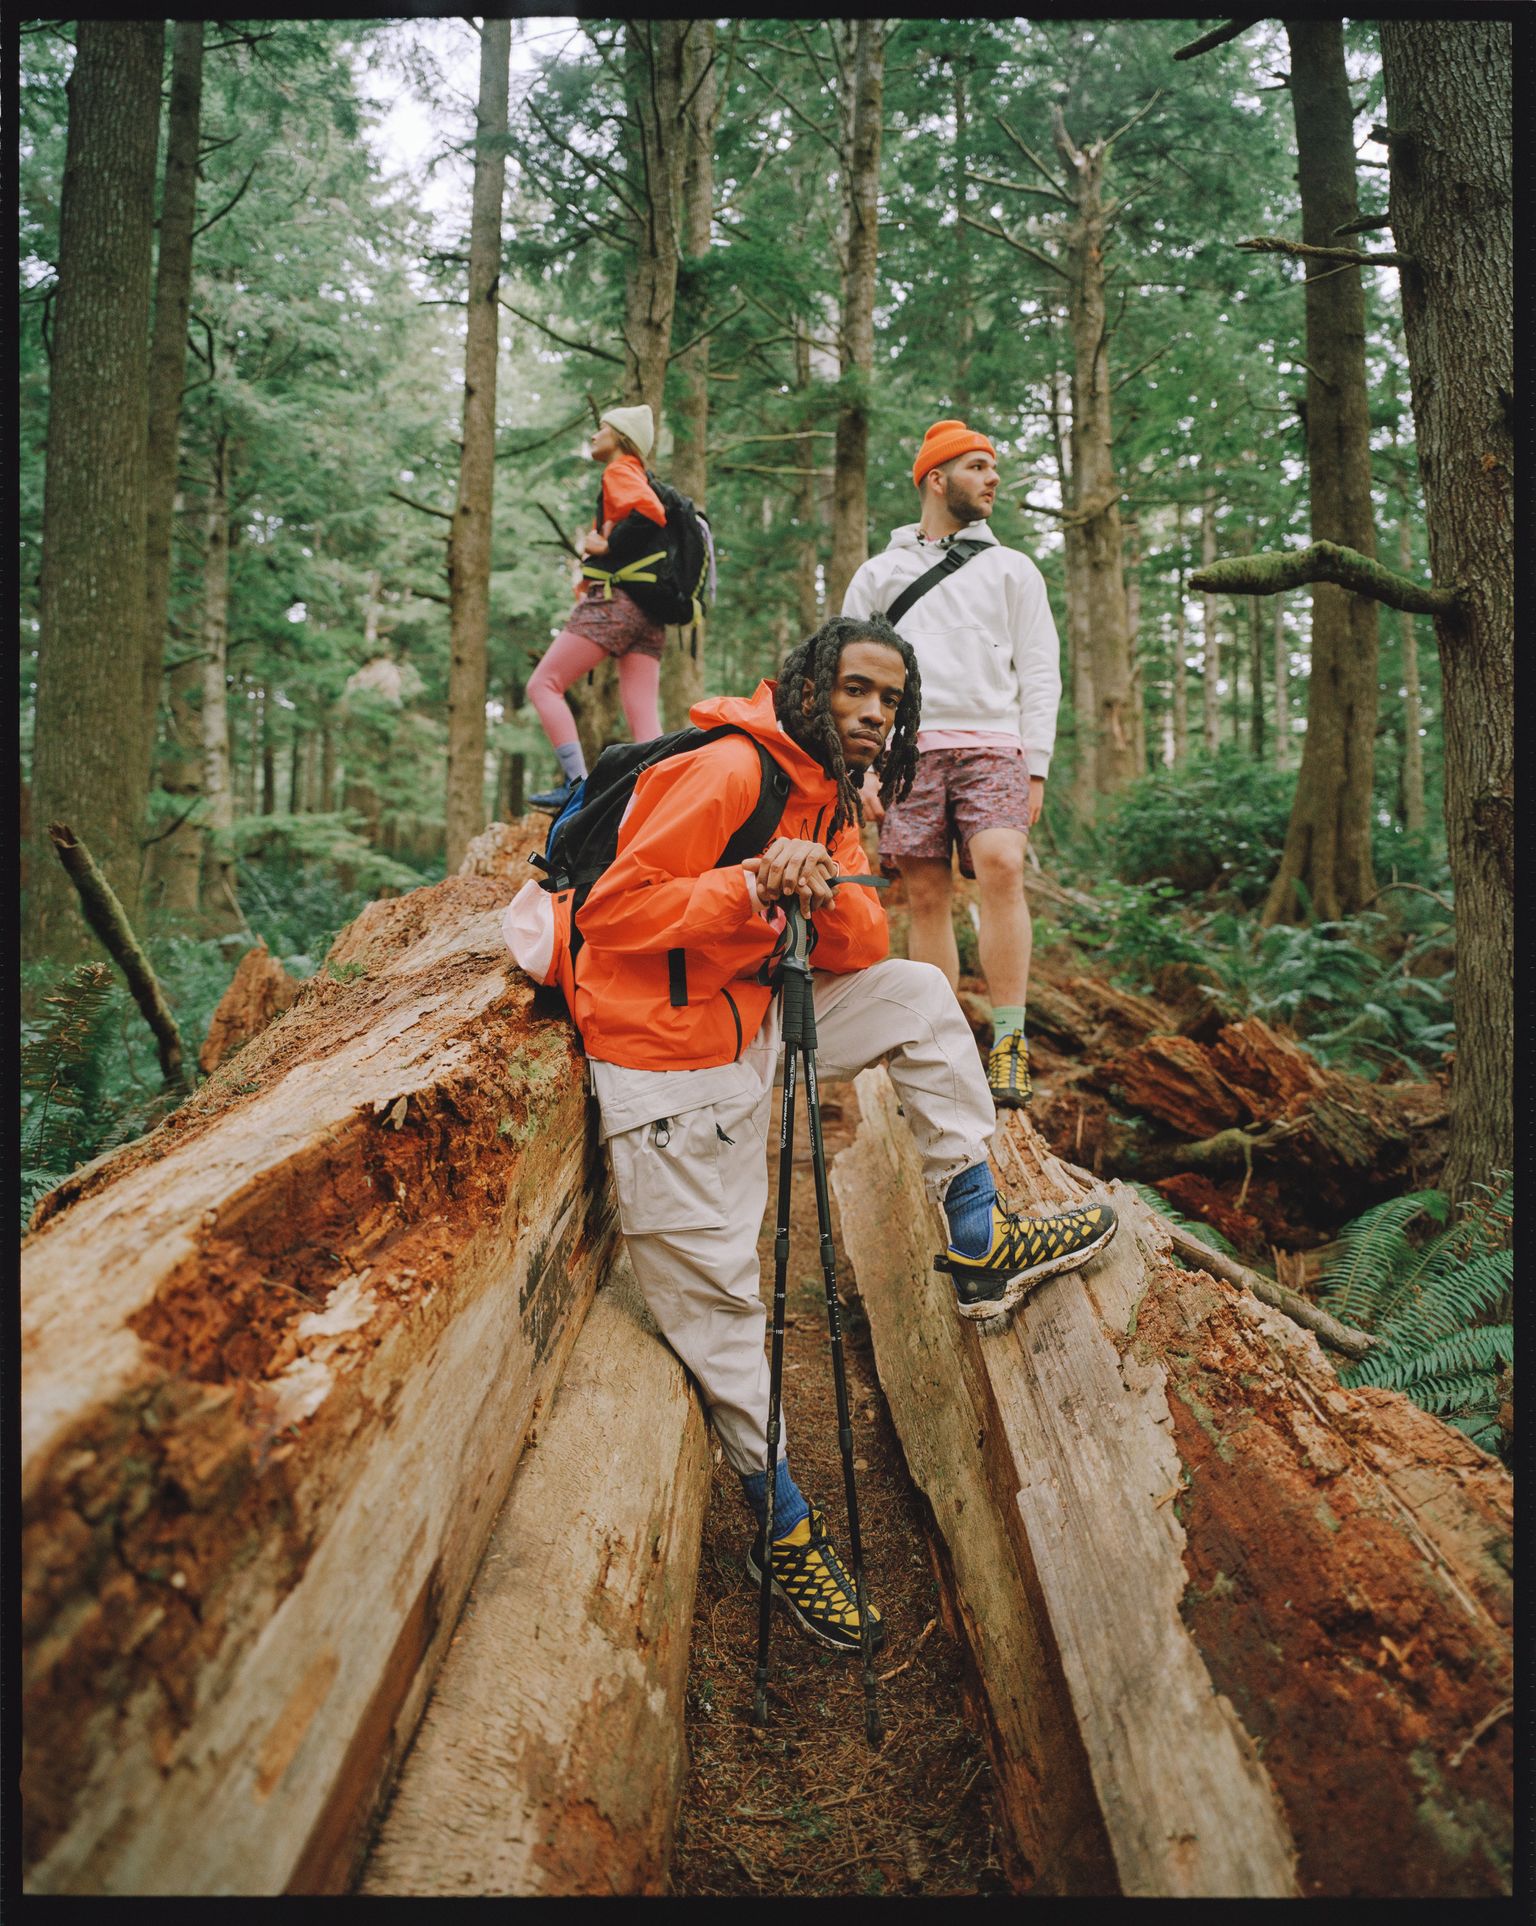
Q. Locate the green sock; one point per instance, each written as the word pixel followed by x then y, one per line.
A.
pixel 1006 1018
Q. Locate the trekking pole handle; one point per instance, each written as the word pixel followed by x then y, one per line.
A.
pixel 797 946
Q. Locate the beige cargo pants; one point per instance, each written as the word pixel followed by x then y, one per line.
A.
pixel 691 1165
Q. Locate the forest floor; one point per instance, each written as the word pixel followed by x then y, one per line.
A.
pixel 805 1806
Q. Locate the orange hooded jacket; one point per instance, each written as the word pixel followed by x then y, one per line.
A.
pixel 660 893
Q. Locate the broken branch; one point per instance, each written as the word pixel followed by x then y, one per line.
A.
pixel 1342 1337
pixel 1346 568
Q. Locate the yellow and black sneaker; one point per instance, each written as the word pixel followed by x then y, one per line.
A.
pixel 1008 1071
pixel 1024 1250
pixel 812 1584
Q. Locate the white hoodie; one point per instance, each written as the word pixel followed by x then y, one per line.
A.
pixel 984 639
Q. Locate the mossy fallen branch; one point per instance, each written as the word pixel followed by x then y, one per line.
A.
pixel 1341 1337
pixel 1346 568
pixel 105 915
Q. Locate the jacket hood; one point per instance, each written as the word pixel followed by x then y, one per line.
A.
pixel 907 535
pixel 754 714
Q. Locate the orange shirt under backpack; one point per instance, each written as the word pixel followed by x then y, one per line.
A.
pixel 625 492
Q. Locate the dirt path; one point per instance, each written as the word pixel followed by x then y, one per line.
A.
pixel 805 1807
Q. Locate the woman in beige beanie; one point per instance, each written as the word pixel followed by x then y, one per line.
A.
pixel 607 620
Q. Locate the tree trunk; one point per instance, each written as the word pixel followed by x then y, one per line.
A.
pixel 1413 748
pixel 90 668
pixel 1095 491
pixel 469 553
pixel 1449 95
pixel 325 799
pixel 282 1360
pixel 1328 843
pixel 176 860
pixel 1178 694
pixel 807 508
pixel 1254 616
pixel 962 319
pixel 218 900
pixel 682 674
pixel 1282 688
pixel 168 355
pixel 653 81
pixel 1210 708
pixel 1211 1597
pixel 1138 685
pixel 862 68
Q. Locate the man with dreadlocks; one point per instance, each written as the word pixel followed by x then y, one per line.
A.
pixel 675 1006
pixel 983 633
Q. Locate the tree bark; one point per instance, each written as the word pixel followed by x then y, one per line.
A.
pixel 91 651
pixel 1095 491
pixel 962 317
pixel 1413 748
pixel 1228 1619
pixel 469 553
pixel 1328 843
pixel 1282 688
pixel 653 82
pixel 1138 686
pixel 861 92
pixel 1449 99
pixel 807 507
pixel 217 895
pixel 682 675
pixel 168 356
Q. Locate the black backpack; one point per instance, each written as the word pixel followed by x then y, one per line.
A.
pixel 669 572
pixel 584 837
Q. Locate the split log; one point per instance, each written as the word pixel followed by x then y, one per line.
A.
pixel 1235 1627
pixel 259 990
pixel 550 1760
pixel 278 1359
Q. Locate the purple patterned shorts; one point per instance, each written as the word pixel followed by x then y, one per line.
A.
pixel 957 792
pixel 621 626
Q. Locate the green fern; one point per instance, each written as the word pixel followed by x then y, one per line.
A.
pixel 1441 1309
pixel 62 1066
pixel 1207 1233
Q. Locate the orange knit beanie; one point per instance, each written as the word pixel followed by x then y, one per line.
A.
pixel 943 441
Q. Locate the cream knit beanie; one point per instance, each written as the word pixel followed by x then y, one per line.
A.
pixel 637 424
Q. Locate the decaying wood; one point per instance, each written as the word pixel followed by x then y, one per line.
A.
pixel 550 1759
pixel 259 990
pixel 1323 1127
pixel 1231 1621
pixel 1339 1337
pixel 278 1362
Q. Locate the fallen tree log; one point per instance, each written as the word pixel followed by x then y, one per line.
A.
pixel 1234 1626
pixel 259 990
pixel 278 1361
pixel 1342 1138
pixel 551 1759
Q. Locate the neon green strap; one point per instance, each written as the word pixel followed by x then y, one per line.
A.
pixel 641 570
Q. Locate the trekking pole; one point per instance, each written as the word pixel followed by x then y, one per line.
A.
pixel 798 1014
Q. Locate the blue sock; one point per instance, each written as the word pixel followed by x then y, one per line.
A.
pixel 573 764
pixel 968 1206
pixel 789 1504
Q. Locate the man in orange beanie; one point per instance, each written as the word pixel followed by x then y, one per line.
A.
pixel 980 625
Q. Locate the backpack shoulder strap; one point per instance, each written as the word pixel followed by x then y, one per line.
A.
pixel 752 837
pixel 955 556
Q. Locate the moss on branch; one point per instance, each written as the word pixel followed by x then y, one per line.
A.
pixel 1346 568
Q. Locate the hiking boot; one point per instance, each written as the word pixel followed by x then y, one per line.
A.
pixel 1024 1250
pixel 812 1584
pixel 553 800
pixel 1008 1071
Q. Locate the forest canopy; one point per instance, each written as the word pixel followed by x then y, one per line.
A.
pixel 280 597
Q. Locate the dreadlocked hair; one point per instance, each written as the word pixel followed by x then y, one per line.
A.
pixel 815 661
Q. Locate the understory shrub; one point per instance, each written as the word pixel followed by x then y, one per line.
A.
pixel 1215 820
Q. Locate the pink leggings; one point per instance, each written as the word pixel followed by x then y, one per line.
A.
pixel 570 656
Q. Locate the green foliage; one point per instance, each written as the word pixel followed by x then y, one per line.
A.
pixel 1207 1233
pixel 1441 1308
pixel 1216 821
pixel 1357 1009
pixel 1134 930
pixel 62 1066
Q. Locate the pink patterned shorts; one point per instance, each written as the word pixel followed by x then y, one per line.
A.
pixel 957 792
pixel 621 626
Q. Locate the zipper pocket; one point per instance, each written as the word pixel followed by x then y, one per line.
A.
pixel 736 1015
